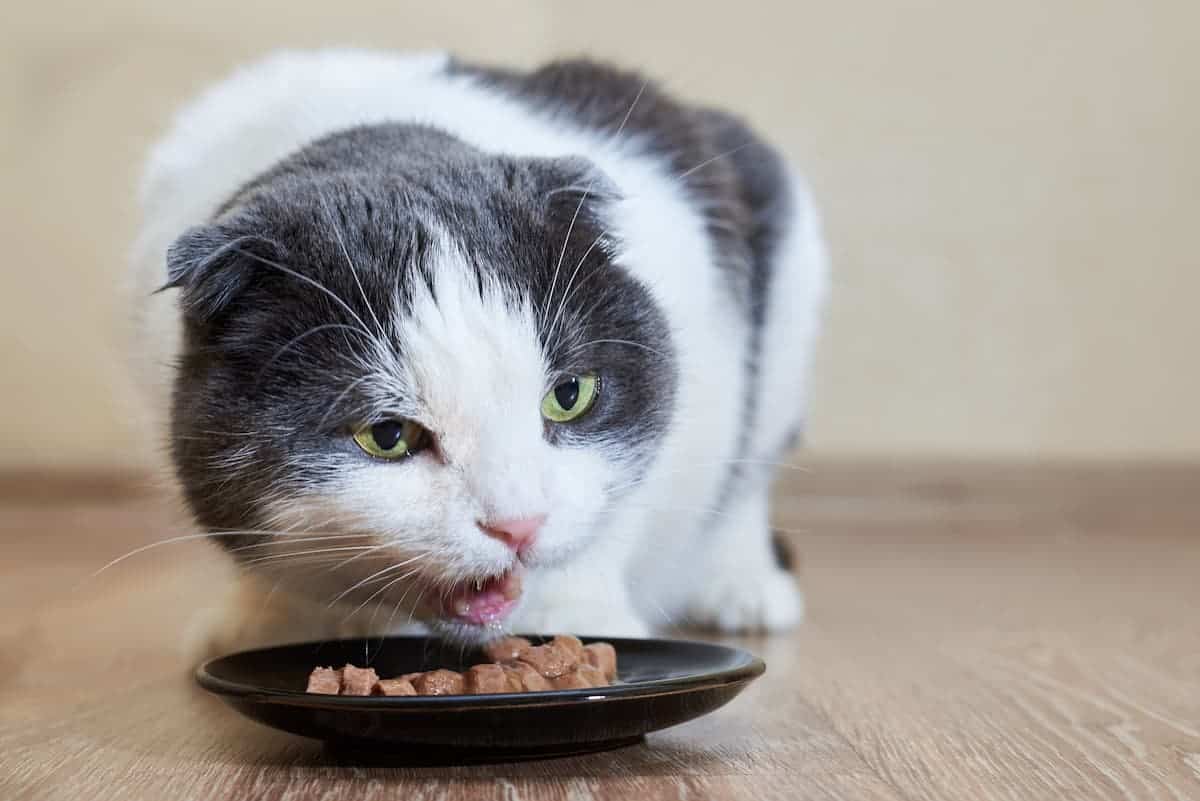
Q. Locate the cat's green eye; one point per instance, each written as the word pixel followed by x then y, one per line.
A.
pixel 392 439
pixel 571 399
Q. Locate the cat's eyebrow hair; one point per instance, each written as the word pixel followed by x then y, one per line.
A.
pixel 310 281
pixel 321 424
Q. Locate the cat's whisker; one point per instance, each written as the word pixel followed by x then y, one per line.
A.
pixel 629 113
pixel 567 297
pixel 371 620
pixel 294 554
pixel 587 314
pixel 186 538
pixel 368 579
pixel 566 293
pixel 378 547
pixel 147 547
pixel 388 625
pixel 342 396
pixel 288 541
pixel 310 281
pixel 259 433
pixel 563 252
pixel 708 161
pixel 589 343
pixel 425 587
pixel 368 582
pixel 326 563
pixel 337 231
pixel 568 188
pixel 380 591
pixel 667 618
pixel 583 199
pixel 296 340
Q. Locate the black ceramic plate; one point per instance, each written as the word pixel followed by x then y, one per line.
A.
pixel 660 683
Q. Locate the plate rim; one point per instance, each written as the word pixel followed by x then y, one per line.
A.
pixel 752 668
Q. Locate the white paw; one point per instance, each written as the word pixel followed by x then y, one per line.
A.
pixel 749 601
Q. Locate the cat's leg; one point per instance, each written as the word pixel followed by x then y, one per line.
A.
pixel 742 587
pixel 739 585
pixel 590 596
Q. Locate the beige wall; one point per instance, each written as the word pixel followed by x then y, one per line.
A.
pixel 1012 192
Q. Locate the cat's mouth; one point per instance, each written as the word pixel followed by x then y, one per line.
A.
pixel 483 601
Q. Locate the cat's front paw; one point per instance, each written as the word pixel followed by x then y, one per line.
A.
pixel 748 601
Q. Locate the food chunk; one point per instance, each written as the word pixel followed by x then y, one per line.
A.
pixel 486 678
pixel 524 679
pixel 439 682
pixel 582 676
pixel 358 681
pixel 571 680
pixel 603 657
pixel 324 681
pixel 505 649
pixel 570 645
pixel 592 675
pixel 395 687
pixel 551 660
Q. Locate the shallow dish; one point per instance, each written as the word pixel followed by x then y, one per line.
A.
pixel 660 683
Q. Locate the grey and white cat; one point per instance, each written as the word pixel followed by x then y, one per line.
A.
pixel 477 349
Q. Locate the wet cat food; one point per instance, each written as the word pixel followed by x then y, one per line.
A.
pixel 603 657
pixel 325 681
pixel 563 663
pixel 393 687
pixel 505 649
pixel 349 680
pixel 438 682
pixel 551 660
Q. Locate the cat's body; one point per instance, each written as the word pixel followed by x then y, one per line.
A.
pixel 458 241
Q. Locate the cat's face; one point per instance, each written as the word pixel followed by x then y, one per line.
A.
pixel 407 390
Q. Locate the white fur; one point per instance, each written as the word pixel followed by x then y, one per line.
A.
pixel 265 112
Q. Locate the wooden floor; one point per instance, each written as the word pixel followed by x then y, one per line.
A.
pixel 974 632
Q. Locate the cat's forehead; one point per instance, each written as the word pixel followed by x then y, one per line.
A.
pixel 380 230
pixel 470 359
pixel 398 251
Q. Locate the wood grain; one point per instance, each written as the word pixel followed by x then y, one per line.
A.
pixel 974 632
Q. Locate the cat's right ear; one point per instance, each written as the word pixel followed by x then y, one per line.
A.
pixel 212 264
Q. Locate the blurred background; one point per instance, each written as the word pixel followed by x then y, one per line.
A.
pixel 1011 194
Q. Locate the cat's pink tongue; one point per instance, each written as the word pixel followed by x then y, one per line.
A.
pixel 489 602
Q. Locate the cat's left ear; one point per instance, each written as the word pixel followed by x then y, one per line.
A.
pixel 568 182
pixel 213 264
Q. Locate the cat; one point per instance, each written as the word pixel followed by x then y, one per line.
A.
pixel 438 345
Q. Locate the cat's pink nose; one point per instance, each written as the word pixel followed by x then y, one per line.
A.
pixel 517 533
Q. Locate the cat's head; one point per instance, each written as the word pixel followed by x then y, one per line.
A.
pixel 414 373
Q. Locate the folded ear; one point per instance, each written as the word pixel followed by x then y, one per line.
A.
pixel 212 264
pixel 566 181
